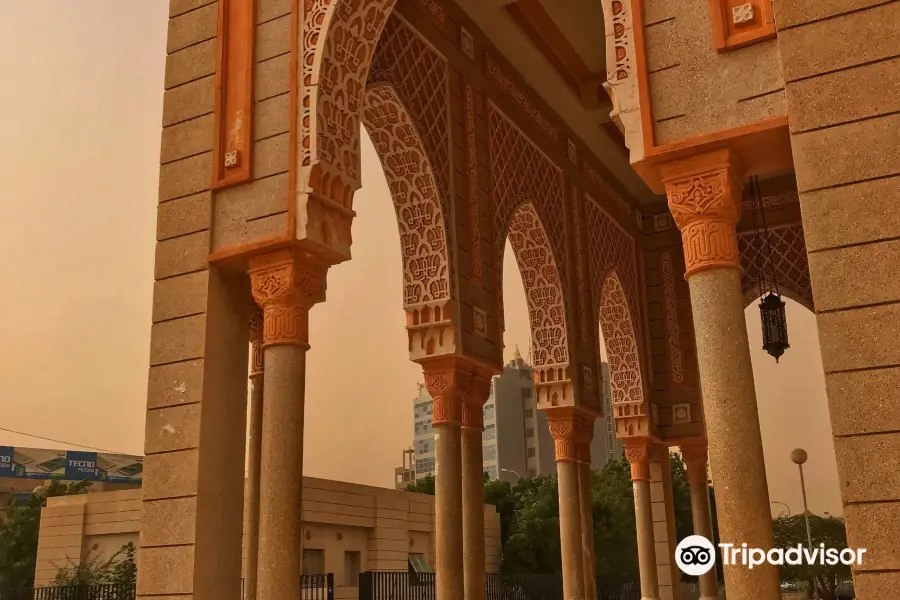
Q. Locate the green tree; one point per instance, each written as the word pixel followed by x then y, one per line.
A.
pixel 615 538
pixel 422 486
pixel 789 532
pixel 533 544
pixel 19 533
pixel 118 569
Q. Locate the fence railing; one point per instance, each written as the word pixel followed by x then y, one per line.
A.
pixel 70 592
pixel 312 587
pixel 400 585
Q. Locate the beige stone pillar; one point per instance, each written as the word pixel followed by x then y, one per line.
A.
pixel 564 427
pixel 638 454
pixel 695 459
pixel 586 502
pixel 447 382
pixel 286 286
pixel 473 488
pixel 704 193
pixel 255 452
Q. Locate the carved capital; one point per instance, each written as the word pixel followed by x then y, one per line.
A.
pixel 256 339
pixel 572 431
pixel 286 285
pixel 704 193
pixel 448 385
pixel 638 455
pixel 473 404
pixel 695 459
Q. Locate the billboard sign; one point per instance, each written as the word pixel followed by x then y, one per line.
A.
pixel 71 465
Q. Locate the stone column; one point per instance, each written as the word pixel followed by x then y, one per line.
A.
pixel 704 193
pixel 564 429
pixel 695 460
pixel 286 286
pixel 473 487
pixel 638 454
pixel 254 460
pixel 585 434
pixel 448 383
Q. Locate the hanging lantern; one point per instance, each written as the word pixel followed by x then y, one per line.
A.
pixel 774 325
pixel 771 307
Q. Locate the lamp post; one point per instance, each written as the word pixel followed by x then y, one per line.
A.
pixel 799 456
pixel 784 504
pixel 511 471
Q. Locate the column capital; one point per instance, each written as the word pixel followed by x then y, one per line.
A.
pixel 572 430
pixel 286 284
pixel 704 193
pixel 473 403
pixel 695 459
pixel 256 339
pixel 637 451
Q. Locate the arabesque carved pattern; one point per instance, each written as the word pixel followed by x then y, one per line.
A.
pixel 791 264
pixel 615 291
pixel 522 173
pixel 773 200
pixel 604 186
pixel 420 76
pixel 256 341
pixel 639 459
pixel 448 387
pixel 581 276
pixel 521 99
pixel 286 287
pixel 472 168
pixel 335 63
pixel 543 288
pixel 435 8
pixel 410 177
pixel 562 430
pixel 673 332
pixel 706 209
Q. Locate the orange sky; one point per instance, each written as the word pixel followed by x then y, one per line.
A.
pixel 81 104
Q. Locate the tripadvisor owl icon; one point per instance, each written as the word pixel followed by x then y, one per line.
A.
pixel 695 555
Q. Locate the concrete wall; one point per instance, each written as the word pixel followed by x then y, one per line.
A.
pixel 841 63
pixel 694 89
pixel 384 526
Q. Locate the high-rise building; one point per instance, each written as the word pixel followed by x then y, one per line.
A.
pixel 405 474
pixel 516 441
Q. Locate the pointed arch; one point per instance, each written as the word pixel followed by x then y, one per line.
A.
pixel 423 227
pixel 612 259
pixel 622 353
pixel 543 287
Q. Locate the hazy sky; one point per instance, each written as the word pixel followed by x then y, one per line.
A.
pixel 79 147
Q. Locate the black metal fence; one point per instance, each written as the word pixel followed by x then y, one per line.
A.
pixel 313 587
pixel 70 592
pixel 400 585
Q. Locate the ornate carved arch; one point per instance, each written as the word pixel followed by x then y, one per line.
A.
pixel 612 257
pixel 791 264
pixel 336 49
pixel 543 287
pixel 420 218
pixel 522 173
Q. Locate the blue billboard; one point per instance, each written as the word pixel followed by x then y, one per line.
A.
pixel 71 465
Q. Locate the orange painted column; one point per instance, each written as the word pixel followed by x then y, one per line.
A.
pixel 448 382
pixel 474 567
pixel 564 428
pixel 704 193
pixel 254 460
pixel 638 455
pixel 286 286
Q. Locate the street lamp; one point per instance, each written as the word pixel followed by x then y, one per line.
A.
pixel 799 456
pixel 511 471
pixel 784 504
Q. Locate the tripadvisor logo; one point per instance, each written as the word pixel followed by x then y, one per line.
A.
pixel 695 555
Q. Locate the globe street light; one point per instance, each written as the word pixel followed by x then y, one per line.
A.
pixel 784 504
pixel 799 456
pixel 511 471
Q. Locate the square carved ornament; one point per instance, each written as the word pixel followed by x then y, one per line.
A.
pixel 739 23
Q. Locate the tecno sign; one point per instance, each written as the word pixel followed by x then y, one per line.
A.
pixel 82 464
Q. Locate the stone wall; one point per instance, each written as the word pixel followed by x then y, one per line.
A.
pixel 841 63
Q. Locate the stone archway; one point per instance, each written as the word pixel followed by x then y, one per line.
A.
pixel 420 219
pixel 543 288
pixel 612 259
